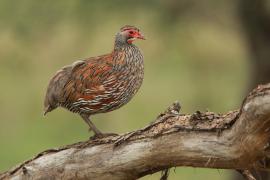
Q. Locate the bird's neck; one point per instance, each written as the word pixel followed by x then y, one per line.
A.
pixel 131 52
pixel 124 47
pixel 127 48
pixel 121 43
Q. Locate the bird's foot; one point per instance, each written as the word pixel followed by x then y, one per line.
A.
pixel 102 135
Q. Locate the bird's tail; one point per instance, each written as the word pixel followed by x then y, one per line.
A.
pixel 55 89
pixel 47 109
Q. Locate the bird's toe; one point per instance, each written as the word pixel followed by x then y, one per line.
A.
pixel 103 135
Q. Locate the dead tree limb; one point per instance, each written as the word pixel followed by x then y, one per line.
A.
pixel 246 174
pixel 236 140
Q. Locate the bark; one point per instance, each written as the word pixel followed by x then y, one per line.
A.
pixel 246 174
pixel 255 20
pixel 236 140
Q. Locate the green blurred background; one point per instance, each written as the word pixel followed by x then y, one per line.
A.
pixel 195 52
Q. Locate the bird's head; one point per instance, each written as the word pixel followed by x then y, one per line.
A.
pixel 128 34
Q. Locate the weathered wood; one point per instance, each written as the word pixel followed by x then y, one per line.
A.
pixel 235 140
pixel 246 174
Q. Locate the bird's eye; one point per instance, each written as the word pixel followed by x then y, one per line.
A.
pixel 131 32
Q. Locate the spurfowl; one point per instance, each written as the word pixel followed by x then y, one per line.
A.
pixel 99 84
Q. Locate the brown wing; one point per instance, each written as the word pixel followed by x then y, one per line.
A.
pixel 90 86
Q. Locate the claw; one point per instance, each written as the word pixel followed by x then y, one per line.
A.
pixel 102 135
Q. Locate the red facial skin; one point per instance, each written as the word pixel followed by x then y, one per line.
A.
pixel 133 35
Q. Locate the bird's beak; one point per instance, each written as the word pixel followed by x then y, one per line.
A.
pixel 140 36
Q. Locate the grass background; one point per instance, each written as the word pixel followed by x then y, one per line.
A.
pixel 199 58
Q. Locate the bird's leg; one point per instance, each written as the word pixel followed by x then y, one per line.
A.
pixel 91 125
pixel 98 133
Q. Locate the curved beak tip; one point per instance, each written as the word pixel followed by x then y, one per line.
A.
pixel 142 37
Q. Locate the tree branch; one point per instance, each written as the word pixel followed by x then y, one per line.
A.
pixel 235 140
pixel 246 174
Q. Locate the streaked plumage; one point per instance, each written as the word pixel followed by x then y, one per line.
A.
pixel 99 84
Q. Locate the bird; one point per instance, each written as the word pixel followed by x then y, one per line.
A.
pixel 99 84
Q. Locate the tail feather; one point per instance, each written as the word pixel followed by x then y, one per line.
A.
pixel 48 109
pixel 55 90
